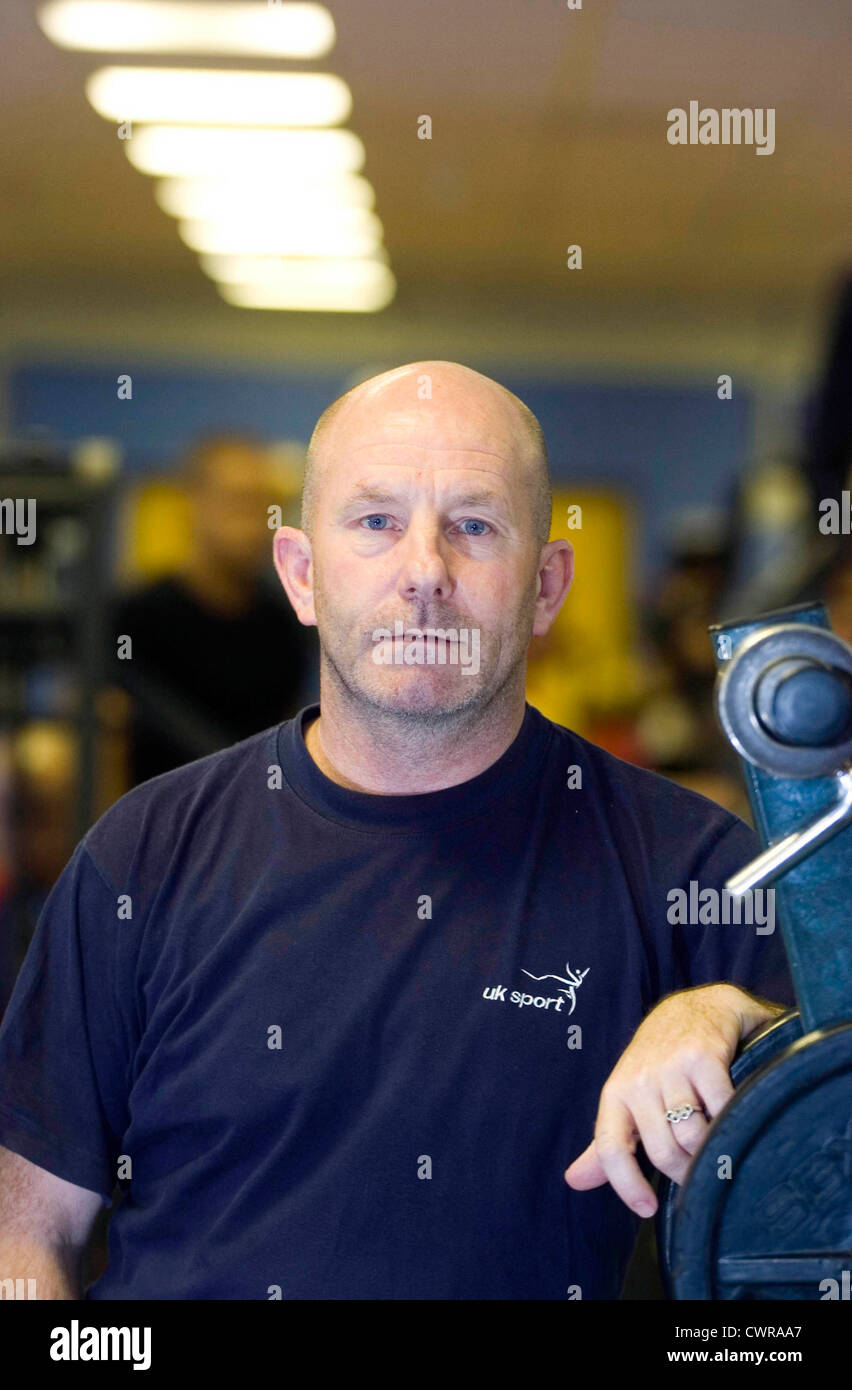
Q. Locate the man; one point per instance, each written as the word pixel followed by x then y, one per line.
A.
pixel 216 653
pixel 337 1004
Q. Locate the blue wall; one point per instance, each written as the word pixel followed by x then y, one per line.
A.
pixel 667 447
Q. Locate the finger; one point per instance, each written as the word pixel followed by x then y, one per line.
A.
pixel 688 1134
pixel 616 1138
pixel 657 1133
pixel 712 1081
pixel 585 1171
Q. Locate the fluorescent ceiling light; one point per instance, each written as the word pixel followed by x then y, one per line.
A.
pixel 329 286
pixel 267 155
pixel 284 271
pixel 357 234
pixel 310 301
pixel 156 26
pixel 204 199
pixel 199 97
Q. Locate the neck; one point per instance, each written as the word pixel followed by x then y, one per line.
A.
pixel 368 750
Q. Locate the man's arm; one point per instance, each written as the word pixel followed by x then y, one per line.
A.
pixel 680 1054
pixel 44 1225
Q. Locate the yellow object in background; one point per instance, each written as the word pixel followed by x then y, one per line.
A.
pixel 586 666
pixel 156 532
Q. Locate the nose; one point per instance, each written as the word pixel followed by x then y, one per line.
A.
pixel 424 572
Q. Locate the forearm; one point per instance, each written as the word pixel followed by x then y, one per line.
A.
pixel 752 1010
pixel 32 1269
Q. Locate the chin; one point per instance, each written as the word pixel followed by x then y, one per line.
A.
pixel 411 693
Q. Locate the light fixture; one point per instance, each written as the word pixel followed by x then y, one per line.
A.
pixel 351 286
pixel 265 155
pixel 158 26
pixel 263 185
pixel 204 199
pixel 350 232
pixel 203 97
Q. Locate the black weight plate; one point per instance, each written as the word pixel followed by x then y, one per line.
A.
pixel 757 1052
pixel 783 1221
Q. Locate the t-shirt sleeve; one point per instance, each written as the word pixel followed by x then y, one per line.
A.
pixel 66 1039
pixel 747 953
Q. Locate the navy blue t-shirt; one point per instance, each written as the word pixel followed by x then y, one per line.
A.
pixel 343 1046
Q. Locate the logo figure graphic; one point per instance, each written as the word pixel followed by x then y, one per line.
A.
pixel 572 981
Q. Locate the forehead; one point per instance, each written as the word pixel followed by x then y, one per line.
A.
pixel 375 466
pixel 467 434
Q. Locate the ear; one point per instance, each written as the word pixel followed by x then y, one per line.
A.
pixel 293 557
pixel 555 576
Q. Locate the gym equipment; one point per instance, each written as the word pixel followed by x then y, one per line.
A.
pixel 779 1225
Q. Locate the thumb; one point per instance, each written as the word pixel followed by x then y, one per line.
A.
pixel 586 1171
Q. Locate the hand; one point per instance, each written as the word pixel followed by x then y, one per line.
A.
pixel 680 1055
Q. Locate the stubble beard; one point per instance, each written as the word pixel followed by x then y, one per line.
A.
pixel 423 709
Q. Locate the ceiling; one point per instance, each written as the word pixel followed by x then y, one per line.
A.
pixel 549 128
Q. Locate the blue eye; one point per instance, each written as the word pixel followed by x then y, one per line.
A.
pixel 471 521
pixel 377 516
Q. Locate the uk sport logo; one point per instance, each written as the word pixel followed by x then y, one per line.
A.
pixel 569 984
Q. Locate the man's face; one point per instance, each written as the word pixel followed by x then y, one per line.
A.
pixel 424 520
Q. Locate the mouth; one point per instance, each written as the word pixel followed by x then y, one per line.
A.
pixel 419 630
pixel 418 636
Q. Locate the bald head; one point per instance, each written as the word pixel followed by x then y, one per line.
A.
pixel 462 405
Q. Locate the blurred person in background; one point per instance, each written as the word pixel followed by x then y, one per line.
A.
pixel 217 652
pixel 677 728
